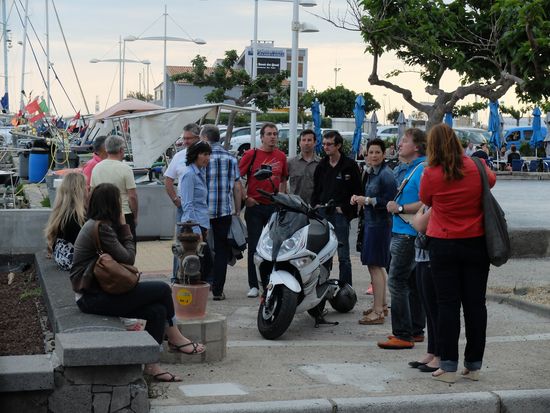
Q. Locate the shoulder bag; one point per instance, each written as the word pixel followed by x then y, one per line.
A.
pixel 112 276
pixel 494 222
pixel 406 218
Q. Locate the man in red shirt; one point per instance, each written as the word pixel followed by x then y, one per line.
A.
pixel 99 154
pixel 259 208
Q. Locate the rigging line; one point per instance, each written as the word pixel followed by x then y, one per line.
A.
pixel 7 19
pixel 151 25
pixel 182 29
pixel 110 89
pixel 36 59
pixel 70 57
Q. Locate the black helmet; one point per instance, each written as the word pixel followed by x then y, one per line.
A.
pixel 344 300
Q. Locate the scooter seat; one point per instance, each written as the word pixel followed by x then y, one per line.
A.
pixel 318 235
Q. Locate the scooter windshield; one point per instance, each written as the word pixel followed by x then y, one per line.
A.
pixel 283 226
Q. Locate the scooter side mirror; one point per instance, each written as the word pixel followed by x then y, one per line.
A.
pixel 265 172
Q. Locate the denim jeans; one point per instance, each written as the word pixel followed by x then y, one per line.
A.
pixel 341 228
pixel 460 268
pixel 407 315
pixel 176 263
pixel 149 300
pixel 220 229
pixel 256 218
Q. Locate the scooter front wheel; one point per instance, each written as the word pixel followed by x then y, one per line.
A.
pixel 275 317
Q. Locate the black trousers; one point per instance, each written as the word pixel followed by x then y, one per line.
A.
pixel 426 291
pixel 220 230
pixel 132 224
pixel 460 268
pixel 150 300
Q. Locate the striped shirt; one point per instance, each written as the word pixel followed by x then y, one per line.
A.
pixel 221 174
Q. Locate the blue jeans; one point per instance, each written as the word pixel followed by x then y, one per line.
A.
pixel 176 262
pixel 407 315
pixel 256 218
pixel 460 268
pixel 341 228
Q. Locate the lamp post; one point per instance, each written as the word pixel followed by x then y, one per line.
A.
pixel 165 39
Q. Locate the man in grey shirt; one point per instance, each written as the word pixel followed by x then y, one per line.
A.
pixel 302 167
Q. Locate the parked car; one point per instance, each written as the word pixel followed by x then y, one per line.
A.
pixel 519 135
pixel 474 135
pixel 387 132
pixel 241 143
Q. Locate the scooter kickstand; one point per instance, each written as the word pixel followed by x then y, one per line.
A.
pixel 321 320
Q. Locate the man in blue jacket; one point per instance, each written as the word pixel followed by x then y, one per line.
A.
pixel 407 315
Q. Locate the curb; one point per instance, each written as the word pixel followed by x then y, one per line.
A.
pixel 538 309
pixel 509 401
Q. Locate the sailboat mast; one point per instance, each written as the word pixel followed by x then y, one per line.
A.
pixel 48 55
pixel 22 102
pixel 5 41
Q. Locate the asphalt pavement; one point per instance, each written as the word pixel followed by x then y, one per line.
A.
pixel 341 369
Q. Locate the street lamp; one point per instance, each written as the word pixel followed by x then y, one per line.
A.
pixel 296 27
pixel 165 38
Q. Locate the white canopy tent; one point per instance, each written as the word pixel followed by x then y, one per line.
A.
pixel 153 132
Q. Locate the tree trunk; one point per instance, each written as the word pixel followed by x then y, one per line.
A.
pixel 229 130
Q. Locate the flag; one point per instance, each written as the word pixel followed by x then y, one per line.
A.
pixel 33 107
pixel 44 107
pixel 74 122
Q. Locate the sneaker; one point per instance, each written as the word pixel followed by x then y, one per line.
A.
pixel 395 343
pixel 254 292
pixel 219 297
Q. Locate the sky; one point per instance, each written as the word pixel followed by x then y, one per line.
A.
pixel 93 28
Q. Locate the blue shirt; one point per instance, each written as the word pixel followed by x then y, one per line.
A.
pixel 194 194
pixel 381 188
pixel 409 194
pixel 221 174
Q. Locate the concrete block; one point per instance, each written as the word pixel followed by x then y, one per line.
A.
pixel 99 388
pixel 215 328
pixel 104 375
pixel 101 402
pixel 120 398
pixel 71 320
pixel 71 398
pixel 18 373
pixel 104 348
pixel 23 230
pixel 284 406
pixel 482 402
pixel 520 401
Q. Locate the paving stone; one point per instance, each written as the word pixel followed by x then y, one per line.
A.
pixel 212 389
pixel 101 402
pixel 140 399
pixel 101 388
pixel 120 398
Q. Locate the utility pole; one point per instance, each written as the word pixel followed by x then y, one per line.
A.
pixel 336 70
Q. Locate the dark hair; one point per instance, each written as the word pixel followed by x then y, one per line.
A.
pixel 193 128
pixel 419 139
pixel 267 125
pixel 308 132
pixel 98 143
pixel 338 140
pixel 513 148
pixel 377 142
pixel 211 133
pixel 195 150
pixel 445 150
pixel 105 204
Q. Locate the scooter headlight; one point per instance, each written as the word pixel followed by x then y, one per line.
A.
pixel 293 244
pixel 265 246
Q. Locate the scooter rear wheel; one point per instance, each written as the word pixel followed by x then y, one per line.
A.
pixel 273 320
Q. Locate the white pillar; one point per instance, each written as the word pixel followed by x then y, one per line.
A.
pixel 293 114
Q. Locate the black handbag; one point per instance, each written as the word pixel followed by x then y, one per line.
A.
pixel 494 222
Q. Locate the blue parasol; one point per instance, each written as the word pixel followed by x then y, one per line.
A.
pixel 536 138
pixel 316 115
pixel 494 125
pixel 448 119
pixel 359 113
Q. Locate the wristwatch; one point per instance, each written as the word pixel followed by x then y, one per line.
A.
pixel 400 209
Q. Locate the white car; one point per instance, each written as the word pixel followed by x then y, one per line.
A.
pixel 241 143
pixel 387 132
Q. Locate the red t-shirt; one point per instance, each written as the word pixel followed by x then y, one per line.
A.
pixel 277 160
pixel 456 205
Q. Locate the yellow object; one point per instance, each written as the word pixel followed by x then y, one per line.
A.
pixel 184 297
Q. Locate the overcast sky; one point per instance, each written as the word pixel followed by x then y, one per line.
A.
pixel 92 29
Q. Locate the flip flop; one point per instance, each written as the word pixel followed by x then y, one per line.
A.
pixel 172 378
pixel 177 349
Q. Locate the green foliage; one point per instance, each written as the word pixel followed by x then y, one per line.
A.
pixel 517 114
pixel 468 110
pixel 32 293
pixel 46 203
pixel 393 116
pixel 526 150
pixel 140 96
pixel 339 102
pixel 492 45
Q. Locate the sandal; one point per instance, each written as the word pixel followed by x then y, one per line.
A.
pixel 172 379
pixel 177 349
pixel 370 310
pixel 369 320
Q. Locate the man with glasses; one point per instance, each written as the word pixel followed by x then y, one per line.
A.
pixel 337 178
pixel 259 208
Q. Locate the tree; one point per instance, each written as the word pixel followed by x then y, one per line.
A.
pixel 393 116
pixel 140 96
pixel 339 102
pixel 492 45
pixel 235 84
pixel 517 114
pixel 468 110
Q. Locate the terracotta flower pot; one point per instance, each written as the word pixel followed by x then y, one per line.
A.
pixel 190 300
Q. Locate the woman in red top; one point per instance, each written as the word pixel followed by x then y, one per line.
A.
pixel 451 185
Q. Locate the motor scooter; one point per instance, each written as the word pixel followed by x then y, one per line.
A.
pixel 295 253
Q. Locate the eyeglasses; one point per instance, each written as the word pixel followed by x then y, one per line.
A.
pixel 328 143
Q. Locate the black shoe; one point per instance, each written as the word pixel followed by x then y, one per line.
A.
pixel 427 369
pixel 219 297
pixel 416 364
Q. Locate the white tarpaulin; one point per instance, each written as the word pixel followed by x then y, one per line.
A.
pixel 153 132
